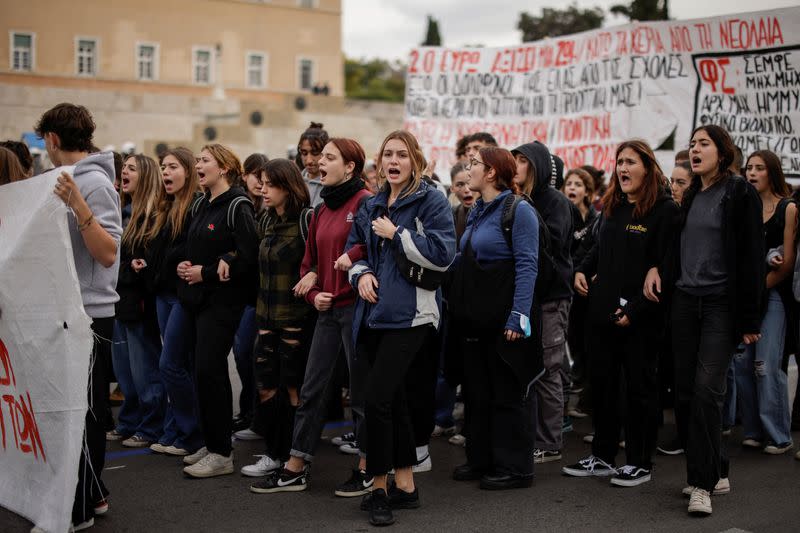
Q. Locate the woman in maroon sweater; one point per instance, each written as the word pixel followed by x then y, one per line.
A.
pixel 329 291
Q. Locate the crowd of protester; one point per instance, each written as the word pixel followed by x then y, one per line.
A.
pixel 532 293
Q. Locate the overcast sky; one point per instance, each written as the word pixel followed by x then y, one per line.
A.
pixel 390 28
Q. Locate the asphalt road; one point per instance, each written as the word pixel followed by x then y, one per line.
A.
pixel 150 493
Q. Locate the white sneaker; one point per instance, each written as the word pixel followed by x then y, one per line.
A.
pixel 751 443
pixel 778 449
pixel 211 465
pixel 174 450
pixel 424 465
pixel 196 456
pixel 723 486
pixel 157 447
pixel 350 448
pixel 458 439
pixel 262 467
pixel 83 525
pixel 700 502
pixel 247 434
pixel 588 439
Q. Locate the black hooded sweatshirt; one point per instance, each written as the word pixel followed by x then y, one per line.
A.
pixel 625 249
pixel 209 239
pixel 556 210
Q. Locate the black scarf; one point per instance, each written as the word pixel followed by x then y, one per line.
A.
pixel 336 196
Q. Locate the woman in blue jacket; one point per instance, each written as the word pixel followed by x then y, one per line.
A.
pixel 407 223
pixel 492 298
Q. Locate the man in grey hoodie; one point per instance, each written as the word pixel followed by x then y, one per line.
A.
pixel 95 229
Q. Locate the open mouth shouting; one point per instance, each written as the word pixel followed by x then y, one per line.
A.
pixel 393 174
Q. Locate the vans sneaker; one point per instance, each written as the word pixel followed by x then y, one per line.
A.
pixel 590 466
pixel 350 448
pixel 723 486
pixel 211 465
pixel 545 456
pixel 115 435
pixel 630 476
pixel 359 484
pixel 699 502
pixel 282 480
pixel 262 467
pixel 137 441
pixel 157 447
pixel 196 456
pixel 174 450
pixel 341 439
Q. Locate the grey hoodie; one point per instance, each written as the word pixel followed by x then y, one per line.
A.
pixel 314 188
pixel 94 176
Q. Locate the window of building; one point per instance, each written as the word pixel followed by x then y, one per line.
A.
pixel 307 3
pixel 86 56
pixel 202 64
pixel 306 74
pixel 147 61
pixel 256 70
pixel 22 51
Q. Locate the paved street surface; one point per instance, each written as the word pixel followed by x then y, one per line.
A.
pixel 150 493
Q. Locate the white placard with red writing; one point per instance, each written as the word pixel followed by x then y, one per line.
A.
pixel 583 94
pixel 45 347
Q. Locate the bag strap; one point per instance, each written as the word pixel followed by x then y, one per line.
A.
pixel 507 218
pixel 196 205
pixel 232 210
pixel 305 221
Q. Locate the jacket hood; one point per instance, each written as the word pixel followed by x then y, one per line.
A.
pixel 544 165
pixel 99 162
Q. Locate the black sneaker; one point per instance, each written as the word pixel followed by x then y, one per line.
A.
pixel 673 448
pixel 398 499
pixel 630 476
pixel 282 480
pixel 380 511
pixel 358 485
pixel 342 439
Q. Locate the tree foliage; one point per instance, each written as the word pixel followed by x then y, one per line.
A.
pixel 557 22
pixel 375 79
pixel 432 37
pixel 643 10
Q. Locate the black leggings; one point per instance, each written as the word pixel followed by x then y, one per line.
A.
pixel 390 432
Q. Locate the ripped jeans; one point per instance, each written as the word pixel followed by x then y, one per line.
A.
pixel 761 384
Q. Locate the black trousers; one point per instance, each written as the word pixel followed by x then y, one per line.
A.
pixel 502 430
pixel 703 344
pixel 90 487
pixel 214 329
pixel 421 389
pixel 390 432
pixel 629 354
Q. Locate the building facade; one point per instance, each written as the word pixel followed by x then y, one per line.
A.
pixel 250 73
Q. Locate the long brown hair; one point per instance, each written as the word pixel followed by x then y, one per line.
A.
pixel 144 200
pixel 10 168
pixel 172 208
pixel 653 182
pixel 285 175
pixel 777 181
pixel 418 163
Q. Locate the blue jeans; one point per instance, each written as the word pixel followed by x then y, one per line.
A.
pixel 243 344
pixel 181 428
pixel 144 348
pixel 761 383
pixel 129 416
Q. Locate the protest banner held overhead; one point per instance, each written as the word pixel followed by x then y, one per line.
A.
pixel 45 342
pixel 583 94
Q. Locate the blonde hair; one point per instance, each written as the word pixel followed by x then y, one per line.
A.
pixel 418 162
pixel 226 159
pixel 172 208
pixel 144 200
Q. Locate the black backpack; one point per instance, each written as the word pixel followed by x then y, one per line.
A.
pixel 547 266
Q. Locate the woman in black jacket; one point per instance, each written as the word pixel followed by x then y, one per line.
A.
pixel 639 222
pixel 718 272
pixel 220 277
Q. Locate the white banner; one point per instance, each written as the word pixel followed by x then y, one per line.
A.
pixel 583 94
pixel 45 347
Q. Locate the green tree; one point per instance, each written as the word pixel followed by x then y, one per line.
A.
pixel 557 22
pixel 643 10
pixel 374 79
pixel 432 37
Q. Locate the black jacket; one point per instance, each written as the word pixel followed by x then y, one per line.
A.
pixel 625 249
pixel 209 239
pixel 743 235
pixel 582 236
pixel 166 252
pixel 556 210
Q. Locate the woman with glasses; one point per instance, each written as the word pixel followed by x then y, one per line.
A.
pixel 491 300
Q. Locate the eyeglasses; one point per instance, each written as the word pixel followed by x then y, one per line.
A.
pixel 473 162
